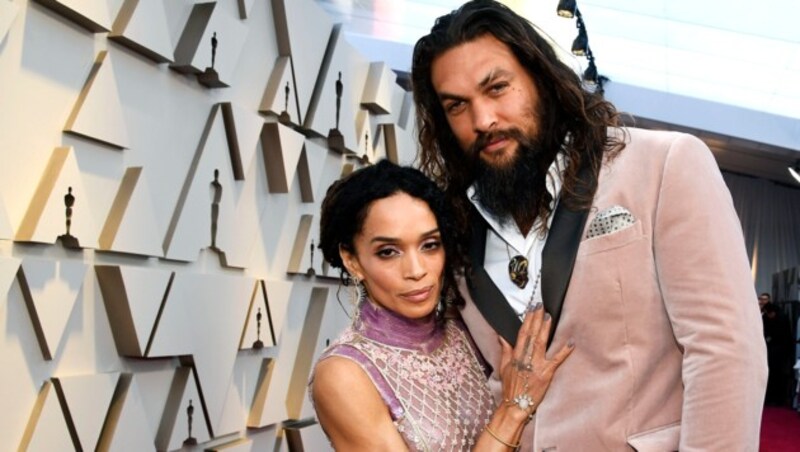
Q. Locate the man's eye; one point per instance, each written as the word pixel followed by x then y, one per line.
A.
pixel 498 87
pixel 454 107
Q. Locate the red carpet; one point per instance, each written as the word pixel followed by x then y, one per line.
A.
pixel 780 430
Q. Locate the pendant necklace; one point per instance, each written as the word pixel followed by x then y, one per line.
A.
pixel 517 269
pixel 518 273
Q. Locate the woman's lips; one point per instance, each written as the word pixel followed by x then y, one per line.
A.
pixel 417 295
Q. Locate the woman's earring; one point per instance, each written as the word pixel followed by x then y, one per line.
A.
pixel 356 291
pixel 356 296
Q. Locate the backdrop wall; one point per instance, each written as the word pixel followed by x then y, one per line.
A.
pixel 162 166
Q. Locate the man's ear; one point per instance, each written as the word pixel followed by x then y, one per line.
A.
pixel 351 263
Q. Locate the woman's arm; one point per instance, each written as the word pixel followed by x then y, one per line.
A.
pixel 350 409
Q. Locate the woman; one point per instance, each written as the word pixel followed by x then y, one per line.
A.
pixel 403 376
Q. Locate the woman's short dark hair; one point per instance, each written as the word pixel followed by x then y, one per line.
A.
pixel 348 200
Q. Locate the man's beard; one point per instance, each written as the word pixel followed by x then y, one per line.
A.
pixel 513 190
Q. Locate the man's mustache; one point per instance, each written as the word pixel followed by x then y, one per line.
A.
pixel 485 138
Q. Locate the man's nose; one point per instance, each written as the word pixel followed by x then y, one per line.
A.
pixel 484 117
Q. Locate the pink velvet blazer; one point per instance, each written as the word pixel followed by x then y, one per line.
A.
pixel 669 347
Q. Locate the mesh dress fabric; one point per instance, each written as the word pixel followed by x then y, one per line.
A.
pixel 427 373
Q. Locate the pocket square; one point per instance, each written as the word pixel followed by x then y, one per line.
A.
pixel 610 220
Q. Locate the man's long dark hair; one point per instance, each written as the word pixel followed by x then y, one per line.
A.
pixel 567 109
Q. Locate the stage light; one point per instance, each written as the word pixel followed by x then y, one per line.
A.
pixel 590 74
pixel 795 171
pixel 566 8
pixel 581 43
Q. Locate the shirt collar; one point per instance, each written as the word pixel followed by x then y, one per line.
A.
pixel 553 183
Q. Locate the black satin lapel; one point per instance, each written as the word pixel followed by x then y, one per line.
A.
pixel 558 256
pixel 487 297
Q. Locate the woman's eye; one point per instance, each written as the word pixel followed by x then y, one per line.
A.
pixel 432 245
pixel 386 252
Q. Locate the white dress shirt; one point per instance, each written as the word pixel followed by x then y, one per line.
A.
pixel 503 242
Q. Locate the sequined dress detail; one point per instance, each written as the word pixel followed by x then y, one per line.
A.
pixel 427 373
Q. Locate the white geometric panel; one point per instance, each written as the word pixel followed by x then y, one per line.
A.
pixel 87 398
pixel 127 428
pixel 282 147
pixel 47 429
pixel 90 14
pixel 407 145
pixel 155 386
pixel 6 231
pixel 380 151
pixel 297 393
pixel 8 11
pixel 240 445
pixel 195 50
pixel 141 25
pixel 309 170
pixel 279 97
pixel 189 41
pixel 183 407
pixel 145 291
pixel 239 397
pixel 236 232
pixel 363 148
pixel 199 304
pixel 317 157
pixel 274 401
pixel 398 112
pixel 256 332
pixel 408 111
pixel 336 316
pixel 347 68
pixel 8 271
pixel 231 37
pixel 301 252
pixel 301 25
pixel 377 95
pixel 210 176
pixel 262 415
pixel 272 297
pixel 46 216
pixel 400 146
pixel 278 294
pixel 243 130
pixel 131 226
pixel 244 8
pixel 50 288
pixel 132 297
pixel 305 435
pixel 97 114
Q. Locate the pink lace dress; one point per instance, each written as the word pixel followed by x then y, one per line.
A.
pixel 427 373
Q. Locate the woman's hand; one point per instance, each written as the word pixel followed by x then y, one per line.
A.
pixel 525 371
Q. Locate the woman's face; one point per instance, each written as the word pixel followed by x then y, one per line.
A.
pixel 399 256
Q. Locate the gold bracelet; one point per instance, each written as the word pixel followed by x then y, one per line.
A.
pixel 494 435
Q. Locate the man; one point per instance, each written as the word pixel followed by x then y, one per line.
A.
pixel 780 351
pixel 628 237
pixel 763 300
